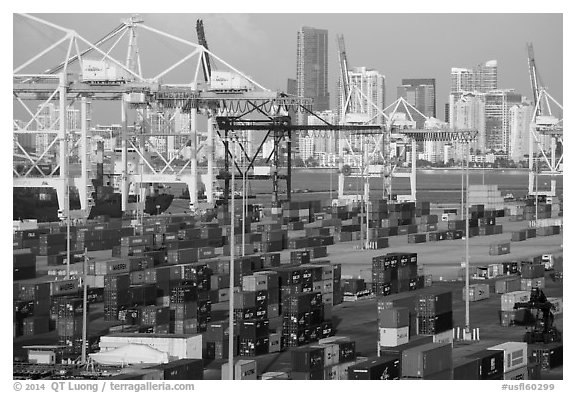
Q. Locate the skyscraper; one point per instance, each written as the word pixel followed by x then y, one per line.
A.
pixel 367 101
pixel 421 93
pixel 498 104
pixel 292 87
pixel 469 113
pixel 520 118
pixel 482 78
pixel 312 68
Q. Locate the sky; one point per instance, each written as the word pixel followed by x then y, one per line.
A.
pixel 399 45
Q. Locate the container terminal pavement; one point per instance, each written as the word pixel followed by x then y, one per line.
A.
pixel 308 304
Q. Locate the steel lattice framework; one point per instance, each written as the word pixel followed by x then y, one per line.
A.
pixel 544 125
pixel 138 95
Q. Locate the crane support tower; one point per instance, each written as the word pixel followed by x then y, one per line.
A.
pixel 546 147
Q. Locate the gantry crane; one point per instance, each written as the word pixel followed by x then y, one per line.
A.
pixel 544 125
pixel 137 94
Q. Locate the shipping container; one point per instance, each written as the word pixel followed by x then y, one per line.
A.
pixel 307 358
pixel 426 360
pixel 392 337
pixel 548 356
pixel 182 346
pixel 511 284
pixel 466 368
pixel 477 292
pixel 515 354
pixel 183 369
pixel 378 368
pixel 414 341
pixel 245 370
pixel 508 300
pixel 526 284
pixel 520 373
pixel 395 317
pixel 491 363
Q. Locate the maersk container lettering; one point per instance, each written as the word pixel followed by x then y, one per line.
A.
pixel 63 287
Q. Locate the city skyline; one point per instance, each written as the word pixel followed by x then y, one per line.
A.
pixel 266 44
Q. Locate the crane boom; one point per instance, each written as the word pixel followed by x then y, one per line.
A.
pixel 534 77
pixel 343 65
pixel 202 41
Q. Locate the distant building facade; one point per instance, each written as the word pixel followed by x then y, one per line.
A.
pixel 469 114
pixel 420 93
pixel 312 68
pixel 497 109
pixel 482 78
pixel 367 100
pixel 520 118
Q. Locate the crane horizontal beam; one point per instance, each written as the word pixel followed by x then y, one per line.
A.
pixel 441 135
pixel 283 123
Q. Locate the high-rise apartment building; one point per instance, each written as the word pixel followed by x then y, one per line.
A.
pixel 420 93
pixel 292 87
pixel 367 99
pixel 322 145
pixel 48 119
pixel 520 117
pixel 312 68
pixel 433 151
pixel 482 78
pixel 497 109
pixel 469 113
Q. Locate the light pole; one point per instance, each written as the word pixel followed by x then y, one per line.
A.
pixel 462 188
pixel 331 169
pixel 244 206
pixel 232 245
pixel 84 306
pixel 467 260
pixel 536 162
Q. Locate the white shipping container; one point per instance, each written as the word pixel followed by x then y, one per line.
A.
pixel 102 71
pixel 392 337
pixel 228 81
pixel 181 346
pixel 255 283
pixel 518 374
pixel 515 355
pixel 244 370
pixel 444 337
pixel 96 281
pixel 508 300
